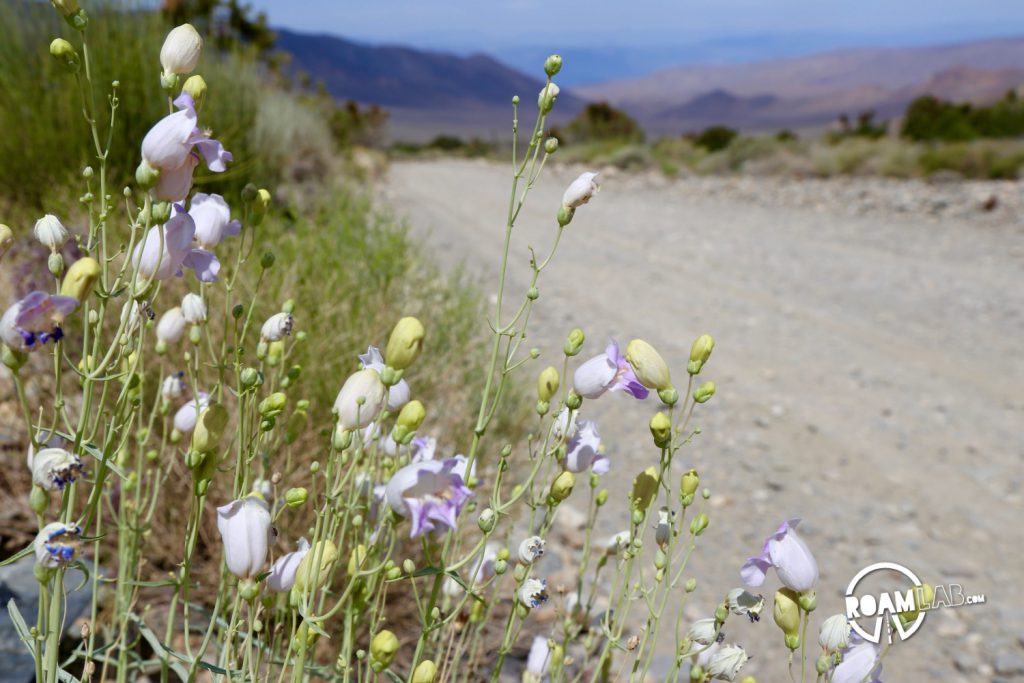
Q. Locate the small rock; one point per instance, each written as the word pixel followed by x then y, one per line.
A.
pixel 1008 664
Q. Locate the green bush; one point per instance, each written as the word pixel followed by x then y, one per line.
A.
pixel 929 118
pixel 599 121
pixel 715 138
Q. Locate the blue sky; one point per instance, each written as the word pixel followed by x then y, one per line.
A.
pixel 634 36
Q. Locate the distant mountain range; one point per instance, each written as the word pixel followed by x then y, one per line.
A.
pixel 435 92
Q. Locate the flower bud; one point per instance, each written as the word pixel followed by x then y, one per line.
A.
pixel 55 264
pixel 39 500
pixel 273 405
pixel 6 239
pixel 193 309
pixel 661 430
pixel 574 342
pixel 787 614
pixel 688 485
pixel 425 672
pixel 309 577
pixel 80 278
pixel 699 524
pixel 562 486
pixel 547 384
pixel 195 86
pixel 409 420
pixel 834 634
pixel 383 648
pixel 704 392
pixel 360 399
pixel 51 233
pixel 405 343
pixel 260 206
pixel 487 520
pixel 63 52
pixel 296 497
pixel 552 65
pixel 551 145
pixel 669 396
pixel 699 353
pixel 181 50
pixel 546 98
pixel 209 428
pixel 648 365
pixel 267 260
pixel 146 176
pixel 564 215
pixel 645 488
pixel 531 549
pixel 67 8
pixel 602 497
pixel 808 600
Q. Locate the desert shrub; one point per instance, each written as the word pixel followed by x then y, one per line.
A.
pixel 983 159
pixel 929 118
pixel 738 152
pixel 715 138
pixel 600 121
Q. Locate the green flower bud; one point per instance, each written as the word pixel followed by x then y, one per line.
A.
pixel 689 483
pixel 564 216
pixel 267 260
pixel 251 377
pixel 574 342
pixel 342 438
pixel 573 401
pixel 500 566
pixel 602 497
pixel 309 577
pixel 209 427
pixel 808 601
pixel 551 145
pixel 547 383
pixel 161 212
pixel 669 396
pixel 425 672
pixel 699 353
pixel 648 365
pixel 248 590
pixel 273 405
pixel 196 87
pixel 260 206
pixel 405 343
pixel 487 520
pixel 645 488
pixel 552 65
pixel 63 52
pixel 248 193
pixel 383 648
pixel 704 392
pixel 562 486
pixel 661 430
pixel 823 664
pixel 787 613
pixel 80 278
pixel 296 497
pixel 39 500
pixel 55 263
pixel 699 524
pixel 409 420
pixel 691 585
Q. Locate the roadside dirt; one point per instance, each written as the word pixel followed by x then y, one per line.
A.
pixel 869 370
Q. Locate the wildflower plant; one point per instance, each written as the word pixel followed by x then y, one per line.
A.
pixel 415 563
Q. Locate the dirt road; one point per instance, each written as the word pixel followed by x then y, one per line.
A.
pixel 869 368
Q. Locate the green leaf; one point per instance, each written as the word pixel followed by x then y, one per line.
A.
pixel 27 550
pixel 20 626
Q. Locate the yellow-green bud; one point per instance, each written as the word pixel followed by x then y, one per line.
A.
pixel 409 420
pixel 425 672
pixel 273 405
pixel 661 430
pixel 356 559
pixel 309 577
pixel 39 500
pixel 146 177
pixel 648 365
pixel 552 65
pixel 67 8
pixel 405 343
pixel 551 145
pixel 573 401
pixel 296 497
pixel 209 428
pixel 645 488
pixel 704 392
pixel 63 52
pixel 80 278
pixel 196 87
pixel 383 648
pixel 690 585
pixel 547 384
pixel 6 239
pixel 275 352
pixel 688 485
pixel 55 263
pixel 562 486
pixel 260 206
pixel 574 342
pixel 808 601
pixel 699 524
pixel 699 353
pixel 787 613
pixel 602 497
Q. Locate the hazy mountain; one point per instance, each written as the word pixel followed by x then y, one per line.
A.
pixel 812 90
pixel 427 92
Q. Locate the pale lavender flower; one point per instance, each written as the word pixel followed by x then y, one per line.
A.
pixel 423 448
pixel 55 468
pixel 282 572
pixel 51 233
pixel 185 418
pixel 173 387
pixel 171 326
pixel 583 452
pixel 531 549
pixel 174 184
pixel 35 320
pixel 277 327
pixel 213 220
pixel 158 258
pixel 245 529
pixel 726 662
pixel 361 398
pixel 57 544
pixel 431 493
pixel 786 551
pixel 609 371
pixel 581 190
pixel 538 660
pixel 533 593
pixel 169 143
pixel 859 662
pixel 181 49
pixel 399 393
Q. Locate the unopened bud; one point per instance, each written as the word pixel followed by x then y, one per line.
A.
pixel 699 353
pixel 699 524
pixel 63 52
pixel 648 365
pixel 409 420
pixel 209 427
pixel 196 87
pixel 552 65
pixel 383 648
pixel 562 486
pixel 704 392
pixel 547 384
pixel 425 672
pixel 645 488
pixel 273 405
pixel 80 278
pixel 551 145
pixel 661 430
pixel 296 497
pixel 405 343
pixel 574 342
pixel 786 612
pixel 564 216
